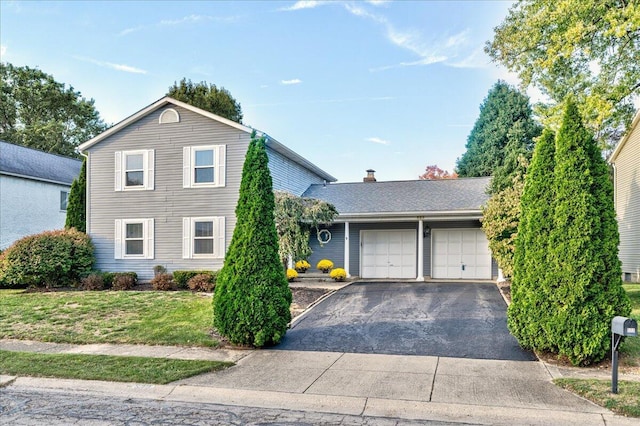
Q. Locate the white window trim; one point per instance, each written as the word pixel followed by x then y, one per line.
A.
pixel 188 166
pixel 169 115
pixel 188 240
pixel 148 161
pixel 147 237
pixel 66 201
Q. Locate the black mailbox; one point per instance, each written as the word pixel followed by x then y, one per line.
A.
pixel 624 326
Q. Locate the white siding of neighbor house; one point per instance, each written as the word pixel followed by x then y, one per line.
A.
pixel 168 203
pixel 288 175
pixel 627 203
pixel 28 207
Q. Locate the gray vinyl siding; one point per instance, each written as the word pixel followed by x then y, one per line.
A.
pixel 169 202
pixel 627 203
pixel 288 175
pixel 334 250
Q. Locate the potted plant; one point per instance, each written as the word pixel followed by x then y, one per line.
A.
pixel 325 265
pixel 302 266
pixel 338 274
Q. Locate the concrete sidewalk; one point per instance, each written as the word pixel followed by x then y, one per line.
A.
pixel 409 387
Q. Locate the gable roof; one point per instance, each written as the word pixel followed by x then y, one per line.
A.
pixel 272 143
pixel 20 161
pixel 625 138
pixel 446 197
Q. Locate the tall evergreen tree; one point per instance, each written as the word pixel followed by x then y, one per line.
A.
pixel 77 202
pixel 583 257
pixel 252 297
pixel 530 307
pixel 504 114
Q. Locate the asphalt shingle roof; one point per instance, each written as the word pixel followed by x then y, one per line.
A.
pixel 404 196
pixel 39 165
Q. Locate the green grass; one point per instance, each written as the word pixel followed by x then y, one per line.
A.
pixel 104 367
pixel 81 317
pixel 625 402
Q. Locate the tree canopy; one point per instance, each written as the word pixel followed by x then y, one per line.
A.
pixel 505 115
pixel 433 172
pixel 38 112
pixel 207 97
pixel 588 48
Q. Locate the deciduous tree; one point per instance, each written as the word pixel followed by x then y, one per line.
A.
pixel 252 297
pixel 207 97
pixel 587 48
pixel 38 112
pixel 434 172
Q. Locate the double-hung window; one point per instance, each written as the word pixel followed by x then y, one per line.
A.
pixel 134 170
pixel 203 166
pixel 134 239
pixel 203 237
pixel 64 200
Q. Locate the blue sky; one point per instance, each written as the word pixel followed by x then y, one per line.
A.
pixel 350 85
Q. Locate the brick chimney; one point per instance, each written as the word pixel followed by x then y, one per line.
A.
pixel 370 177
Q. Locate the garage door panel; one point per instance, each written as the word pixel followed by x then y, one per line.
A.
pixel 451 249
pixel 389 254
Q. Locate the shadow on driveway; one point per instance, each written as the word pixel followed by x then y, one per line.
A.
pixel 460 320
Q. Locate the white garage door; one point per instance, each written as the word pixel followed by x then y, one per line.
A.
pixel 460 253
pixel 388 254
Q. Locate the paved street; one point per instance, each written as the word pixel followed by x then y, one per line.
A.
pixel 56 408
pixel 457 320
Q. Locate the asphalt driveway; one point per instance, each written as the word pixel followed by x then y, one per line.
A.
pixel 461 320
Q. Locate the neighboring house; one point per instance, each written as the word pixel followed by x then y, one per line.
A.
pixel 626 164
pixel 163 184
pixel 34 187
pixel 406 229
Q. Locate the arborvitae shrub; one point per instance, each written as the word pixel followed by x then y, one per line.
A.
pixel 77 204
pixel 202 282
pixel 163 282
pixel 252 297
pixel 49 259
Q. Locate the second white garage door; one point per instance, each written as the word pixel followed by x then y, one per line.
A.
pixel 388 254
pixel 460 253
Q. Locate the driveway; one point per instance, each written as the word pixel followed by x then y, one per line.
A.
pixel 460 320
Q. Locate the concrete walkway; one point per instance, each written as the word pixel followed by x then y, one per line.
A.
pixel 409 387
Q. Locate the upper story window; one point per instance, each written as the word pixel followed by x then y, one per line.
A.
pixel 169 115
pixel 64 199
pixel 134 170
pixel 203 166
pixel 134 239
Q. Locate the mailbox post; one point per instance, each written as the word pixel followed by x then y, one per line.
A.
pixel 620 326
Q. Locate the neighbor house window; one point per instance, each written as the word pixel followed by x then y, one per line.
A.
pixel 204 166
pixel 203 237
pixel 134 170
pixel 64 199
pixel 134 238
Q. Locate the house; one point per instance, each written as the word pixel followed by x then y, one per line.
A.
pixel 34 186
pixel 406 229
pixel 626 165
pixel 163 184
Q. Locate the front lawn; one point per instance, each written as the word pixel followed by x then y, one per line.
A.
pixel 136 317
pixel 630 349
pixel 104 367
pixel 625 402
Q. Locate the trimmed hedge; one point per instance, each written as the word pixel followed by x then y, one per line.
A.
pixel 110 277
pixel 47 260
pixel 181 278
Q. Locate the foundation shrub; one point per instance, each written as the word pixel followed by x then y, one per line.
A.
pixel 181 278
pixel 93 282
pixel 202 282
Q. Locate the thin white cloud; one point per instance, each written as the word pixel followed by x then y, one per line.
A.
pixel 291 82
pixel 186 20
pixel 117 67
pixel 378 2
pixel 304 4
pixel 3 50
pixel 189 19
pixel 378 141
pixel 476 59
pixel 326 101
